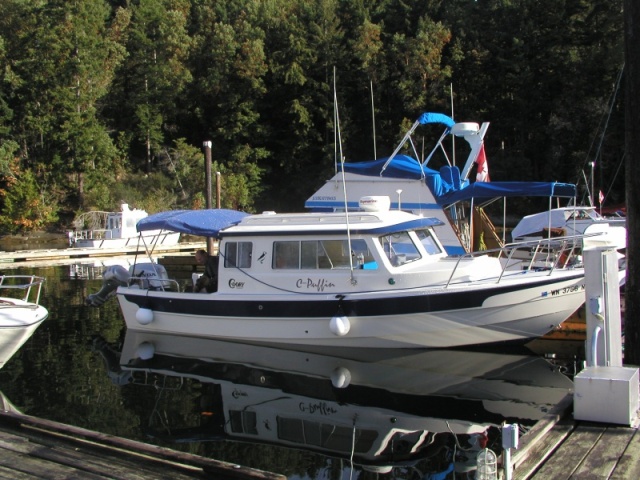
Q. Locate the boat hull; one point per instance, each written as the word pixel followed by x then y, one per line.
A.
pixel 419 318
pixel 13 336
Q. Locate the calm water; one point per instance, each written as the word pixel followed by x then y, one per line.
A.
pixel 329 415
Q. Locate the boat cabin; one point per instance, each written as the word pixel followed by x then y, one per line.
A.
pixel 312 251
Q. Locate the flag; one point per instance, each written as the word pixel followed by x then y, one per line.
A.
pixel 483 168
pixel 601 197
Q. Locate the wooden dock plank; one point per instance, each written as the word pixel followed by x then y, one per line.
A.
pixel 570 454
pixel 11 474
pixel 541 450
pixel 39 468
pixel 100 453
pixel 628 465
pixel 42 447
pixel 603 457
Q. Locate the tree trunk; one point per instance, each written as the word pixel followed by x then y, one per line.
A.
pixel 632 182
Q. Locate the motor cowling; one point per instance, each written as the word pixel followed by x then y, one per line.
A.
pixel 113 277
pixel 149 276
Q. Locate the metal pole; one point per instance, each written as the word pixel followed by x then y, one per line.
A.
pixel 207 187
pixel 207 173
pixel 218 203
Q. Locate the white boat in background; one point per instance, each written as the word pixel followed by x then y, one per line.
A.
pixel 117 230
pixel 20 312
pixel 377 408
pixel 378 279
pixel 445 192
pixel 568 221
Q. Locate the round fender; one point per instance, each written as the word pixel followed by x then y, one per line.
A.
pixel 341 377
pixel 145 351
pixel 144 316
pixel 340 325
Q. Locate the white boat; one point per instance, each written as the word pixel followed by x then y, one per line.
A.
pixel 117 230
pixel 20 312
pixel 398 406
pixel 377 279
pixel 567 221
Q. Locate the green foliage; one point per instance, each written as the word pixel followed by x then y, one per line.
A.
pixel 92 93
pixel 26 206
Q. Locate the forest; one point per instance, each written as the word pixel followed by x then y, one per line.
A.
pixel 104 102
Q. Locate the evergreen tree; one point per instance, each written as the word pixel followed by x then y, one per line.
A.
pixel 148 95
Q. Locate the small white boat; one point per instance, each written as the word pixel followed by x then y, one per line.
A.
pixel 117 230
pixel 378 279
pixel 379 408
pixel 567 221
pixel 20 312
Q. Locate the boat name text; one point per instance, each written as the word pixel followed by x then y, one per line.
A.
pixel 310 283
pixel 320 408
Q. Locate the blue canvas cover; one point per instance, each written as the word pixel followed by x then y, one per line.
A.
pixel 482 191
pixel 445 184
pixel 204 223
pixel 402 166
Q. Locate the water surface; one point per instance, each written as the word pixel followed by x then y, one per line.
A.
pixel 318 415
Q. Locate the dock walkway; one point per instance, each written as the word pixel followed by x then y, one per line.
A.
pixel 33 448
pixel 53 255
pixel 559 447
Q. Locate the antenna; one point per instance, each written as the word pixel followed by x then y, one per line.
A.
pixel 453 137
pixel 373 119
pixel 344 182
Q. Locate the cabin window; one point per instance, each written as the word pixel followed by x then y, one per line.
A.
pixel 244 421
pixel 238 254
pixel 325 435
pixel 399 248
pixel 320 254
pixel 428 242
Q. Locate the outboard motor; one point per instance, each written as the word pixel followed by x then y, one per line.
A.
pixel 113 277
pixel 150 276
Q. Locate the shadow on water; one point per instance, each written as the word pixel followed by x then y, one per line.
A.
pixel 319 415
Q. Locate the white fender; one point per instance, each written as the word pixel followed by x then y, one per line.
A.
pixel 144 316
pixel 145 351
pixel 341 377
pixel 340 325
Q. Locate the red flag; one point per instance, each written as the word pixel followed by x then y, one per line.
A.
pixel 601 197
pixel 483 168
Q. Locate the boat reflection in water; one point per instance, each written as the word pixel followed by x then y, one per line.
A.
pixel 12 337
pixel 433 410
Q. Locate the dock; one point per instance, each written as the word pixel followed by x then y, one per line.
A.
pixel 37 448
pixel 560 447
pixel 54 255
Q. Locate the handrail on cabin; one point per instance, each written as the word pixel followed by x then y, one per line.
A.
pixel 565 248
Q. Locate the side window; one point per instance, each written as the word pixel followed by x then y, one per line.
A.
pixel 244 254
pixel 428 242
pixel 286 255
pixel 399 248
pixel 238 254
pixel 325 254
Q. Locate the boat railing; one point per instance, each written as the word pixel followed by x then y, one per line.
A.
pixel 29 285
pixel 154 283
pixel 543 255
pixel 98 234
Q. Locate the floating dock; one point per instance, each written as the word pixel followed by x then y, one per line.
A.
pixel 53 255
pixel 561 447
